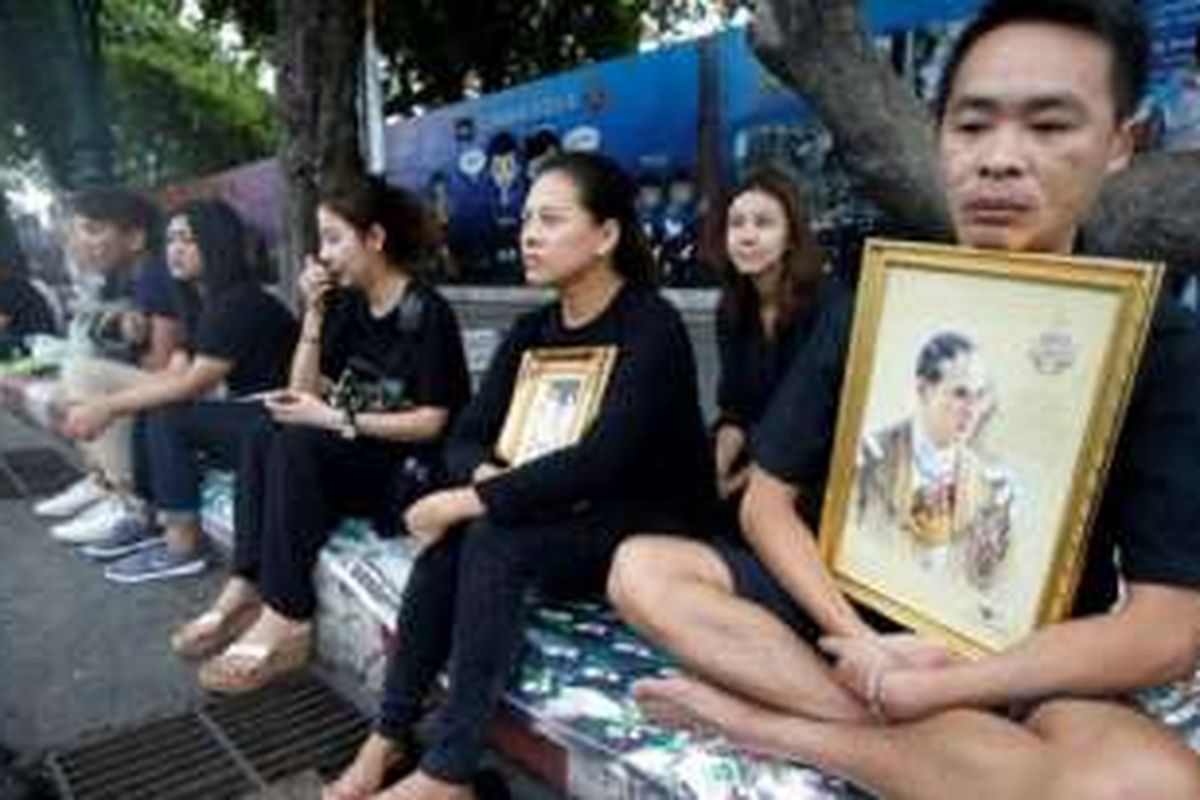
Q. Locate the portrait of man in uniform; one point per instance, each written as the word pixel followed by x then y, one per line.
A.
pixel 924 484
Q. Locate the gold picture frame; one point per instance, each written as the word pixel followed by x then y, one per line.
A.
pixel 981 402
pixel 556 397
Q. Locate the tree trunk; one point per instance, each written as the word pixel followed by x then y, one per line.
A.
pixel 10 245
pixel 320 43
pixel 61 103
pixel 882 132
pixel 887 139
pixel 1151 211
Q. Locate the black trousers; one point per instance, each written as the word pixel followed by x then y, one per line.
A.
pixel 464 606
pixel 295 483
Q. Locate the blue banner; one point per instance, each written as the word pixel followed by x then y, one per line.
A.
pixel 475 159
pixel 687 121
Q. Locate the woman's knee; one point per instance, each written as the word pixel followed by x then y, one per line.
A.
pixel 484 541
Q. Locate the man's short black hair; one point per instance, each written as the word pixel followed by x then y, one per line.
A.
pixel 124 208
pixel 1120 24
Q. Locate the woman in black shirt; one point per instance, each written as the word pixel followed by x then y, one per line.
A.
pixel 552 521
pixel 773 270
pixel 376 379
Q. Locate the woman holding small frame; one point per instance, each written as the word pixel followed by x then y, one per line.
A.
pixel 522 516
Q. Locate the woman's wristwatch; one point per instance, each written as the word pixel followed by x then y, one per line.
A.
pixel 349 426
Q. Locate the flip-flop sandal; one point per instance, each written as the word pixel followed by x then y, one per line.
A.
pixel 213 631
pixel 246 666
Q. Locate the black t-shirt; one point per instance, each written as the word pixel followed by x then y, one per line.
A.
pixel 644 461
pixel 23 310
pixel 752 365
pixel 794 438
pixel 1150 511
pixel 148 289
pixel 249 327
pixel 417 347
pixel 1149 515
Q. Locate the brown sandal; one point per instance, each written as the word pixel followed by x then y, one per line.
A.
pixel 213 631
pixel 247 666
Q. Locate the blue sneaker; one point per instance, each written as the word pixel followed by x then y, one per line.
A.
pixel 129 535
pixel 155 563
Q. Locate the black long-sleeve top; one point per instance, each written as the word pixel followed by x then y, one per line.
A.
pixel 644 461
pixel 752 364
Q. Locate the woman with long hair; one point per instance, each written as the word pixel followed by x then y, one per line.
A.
pixel 773 268
pixel 552 521
pixel 376 379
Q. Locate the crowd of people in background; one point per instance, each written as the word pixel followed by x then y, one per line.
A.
pixel 702 535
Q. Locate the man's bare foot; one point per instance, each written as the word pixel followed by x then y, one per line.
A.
pixel 682 702
pixel 365 776
pixel 420 786
pixel 692 704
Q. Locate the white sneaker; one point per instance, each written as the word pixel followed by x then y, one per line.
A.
pixel 73 499
pixel 93 525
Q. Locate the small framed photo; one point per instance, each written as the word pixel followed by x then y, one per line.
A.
pixel 556 398
pixel 982 398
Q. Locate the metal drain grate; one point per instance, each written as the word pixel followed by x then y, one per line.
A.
pixel 174 758
pixel 293 726
pixel 37 470
pixel 231 747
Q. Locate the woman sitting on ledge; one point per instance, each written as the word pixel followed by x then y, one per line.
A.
pixel 376 379
pixel 553 520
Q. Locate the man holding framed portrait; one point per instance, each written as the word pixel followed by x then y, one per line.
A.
pixel 1033 116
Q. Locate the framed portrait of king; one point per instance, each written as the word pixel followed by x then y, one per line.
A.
pixel 556 398
pixel 981 402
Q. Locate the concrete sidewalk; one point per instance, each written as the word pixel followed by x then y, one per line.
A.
pixel 79 654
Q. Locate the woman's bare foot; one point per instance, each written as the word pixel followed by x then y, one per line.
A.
pixel 365 776
pixel 420 786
